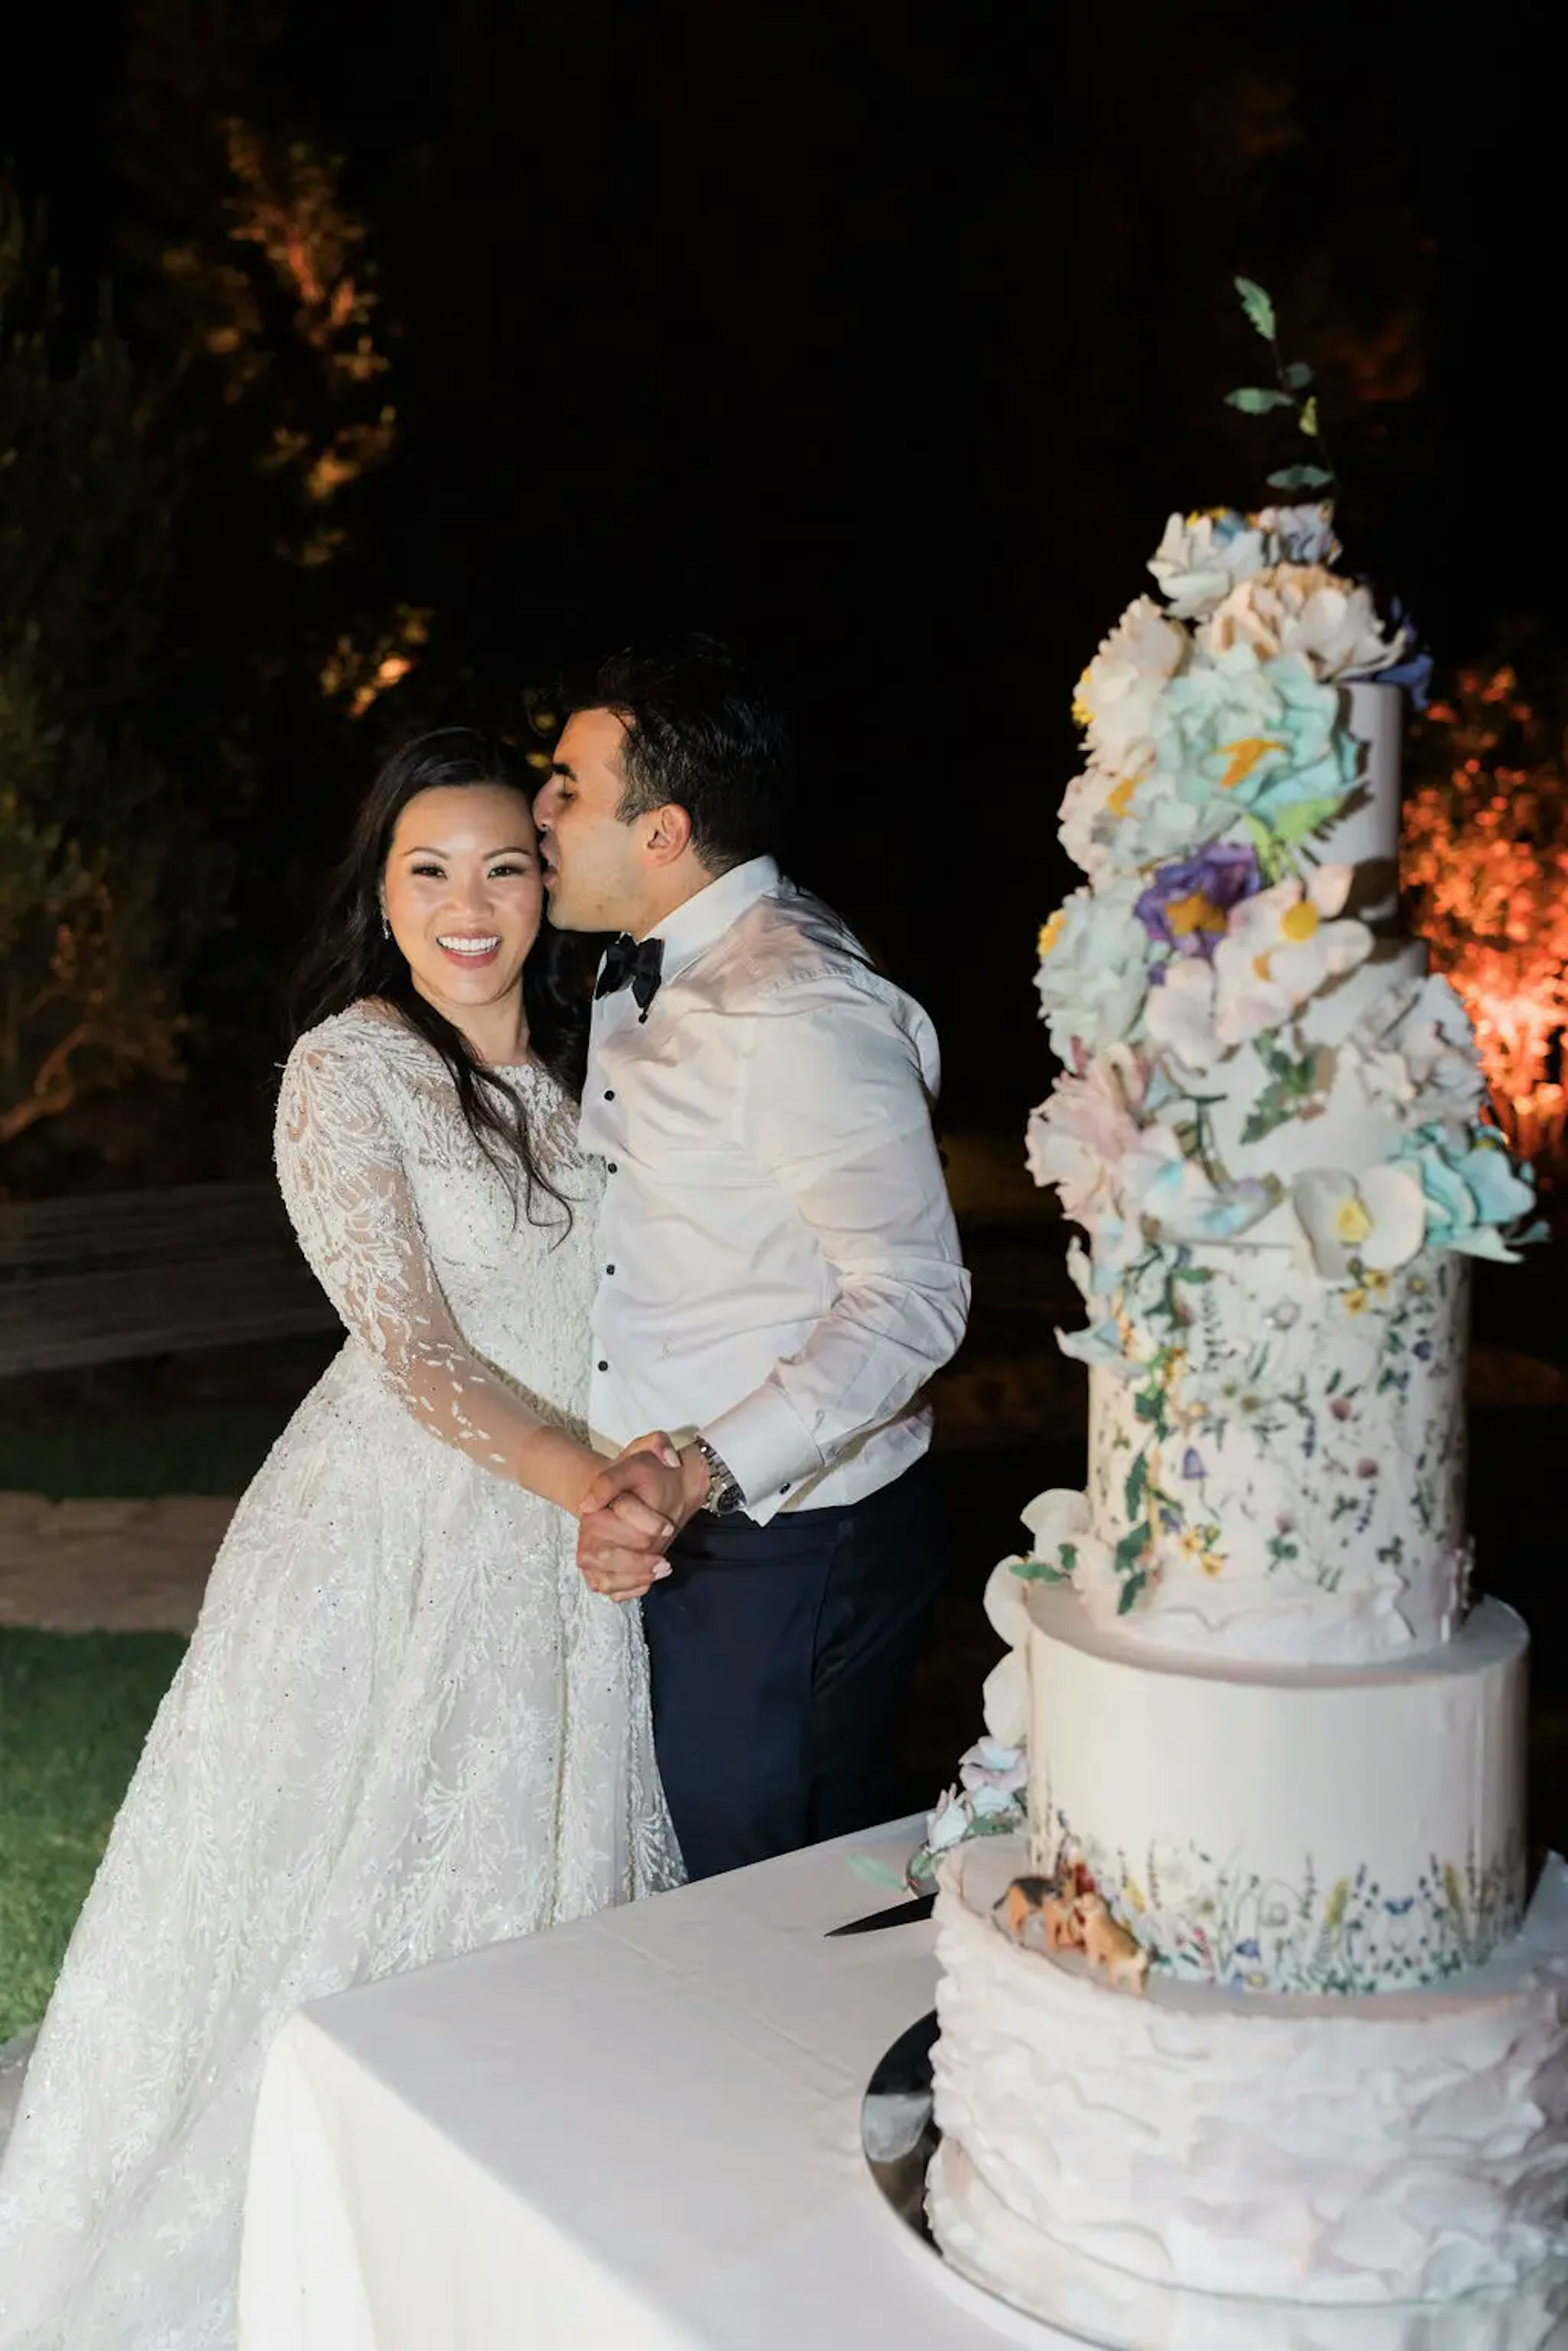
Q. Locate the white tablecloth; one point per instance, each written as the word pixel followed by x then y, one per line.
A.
pixel 639 2133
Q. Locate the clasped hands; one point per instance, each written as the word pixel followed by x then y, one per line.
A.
pixel 633 1510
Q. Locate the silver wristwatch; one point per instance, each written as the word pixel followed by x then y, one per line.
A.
pixel 723 1497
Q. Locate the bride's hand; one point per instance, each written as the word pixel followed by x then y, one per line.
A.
pixel 627 1515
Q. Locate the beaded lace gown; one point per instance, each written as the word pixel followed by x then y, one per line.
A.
pixel 404 1727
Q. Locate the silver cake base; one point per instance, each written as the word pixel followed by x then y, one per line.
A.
pixel 1089 2302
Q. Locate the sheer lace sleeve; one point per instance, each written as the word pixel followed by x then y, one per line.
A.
pixel 348 1196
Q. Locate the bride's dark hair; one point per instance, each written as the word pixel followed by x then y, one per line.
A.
pixel 353 957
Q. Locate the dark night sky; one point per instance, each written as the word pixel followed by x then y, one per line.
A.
pixel 884 337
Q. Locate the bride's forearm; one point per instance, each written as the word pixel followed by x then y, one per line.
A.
pixel 548 1462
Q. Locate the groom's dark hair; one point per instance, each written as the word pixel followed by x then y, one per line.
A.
pixel 702 733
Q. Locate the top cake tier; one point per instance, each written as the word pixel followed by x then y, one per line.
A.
pixel 1258 1068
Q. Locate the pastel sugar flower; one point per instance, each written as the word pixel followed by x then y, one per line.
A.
pixel 1179 1018
pixel 1005 1699
pixel 1065 1542
pixel 1000 1770
pixel 1092 973
pixel 1375 1220
pixel 1470 1188
pixel 1330 624
pixel 1201 557
pixel 1006 1604
pixel 1247 738
pixel 1086 1126
pixel 1182 1204
pixel 1299 534
pixel 1280 946
pixel 1121 691
pixel 1134 820
pixel 948 1824
pixel 1415 1050
pixel 1058 1523
pixel 1187 905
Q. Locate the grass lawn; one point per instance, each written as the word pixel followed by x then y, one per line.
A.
pixel 74 1711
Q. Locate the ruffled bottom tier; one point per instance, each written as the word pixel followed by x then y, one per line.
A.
pixel 1380 2150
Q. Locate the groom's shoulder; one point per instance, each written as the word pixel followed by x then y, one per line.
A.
pixel 792 942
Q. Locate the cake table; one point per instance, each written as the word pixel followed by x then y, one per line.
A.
pixel 642 2131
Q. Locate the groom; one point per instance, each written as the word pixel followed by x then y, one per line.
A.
pixel 779 1270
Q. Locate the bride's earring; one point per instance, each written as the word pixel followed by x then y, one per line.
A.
pixel 386 926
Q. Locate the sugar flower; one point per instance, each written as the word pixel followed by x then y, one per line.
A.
pixel 1470 1188
pixel 1000 1771
pixel 1278 950
pixel 1375 1219
pixel 1299 534
pixel 986 1809
pixel 1414 1050
pixel 1119 691
pixel 1330 624
pixel 1202 556
pixel 1248 738
pixel 1006 1604
pixel 1005 1699
pixel 1182 1203
pixel 1065 1542
pixel 1186 904
pixel 1092 973
pixel 1085 1127
pixel 1133 819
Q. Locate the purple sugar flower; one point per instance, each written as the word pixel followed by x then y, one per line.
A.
pixel 1186 904
pixel 1192 1465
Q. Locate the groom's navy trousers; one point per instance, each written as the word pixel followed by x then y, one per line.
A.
pixel 780 1656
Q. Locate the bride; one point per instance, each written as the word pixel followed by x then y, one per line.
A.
pixel 404 1726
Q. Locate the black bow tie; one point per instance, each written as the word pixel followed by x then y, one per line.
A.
pixel 628 964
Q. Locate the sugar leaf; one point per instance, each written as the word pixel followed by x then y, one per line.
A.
pixel 1293 822
pixel 1300 478
pixel 1308 419
pixel 1259 309
pixel 1298 375
pixel 1256 400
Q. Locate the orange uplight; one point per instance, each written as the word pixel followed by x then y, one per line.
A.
pixel 1485 863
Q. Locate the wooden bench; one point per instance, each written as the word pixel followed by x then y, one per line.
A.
pixel 121 1274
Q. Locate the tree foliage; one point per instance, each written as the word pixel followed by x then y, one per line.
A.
pixel 97 904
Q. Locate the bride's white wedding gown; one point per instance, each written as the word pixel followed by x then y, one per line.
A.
pixel 404 1727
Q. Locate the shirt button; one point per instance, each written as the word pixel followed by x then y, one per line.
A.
pixel 611 1167
pixel 603 1366
pixel 610 1269
pixel 609 1093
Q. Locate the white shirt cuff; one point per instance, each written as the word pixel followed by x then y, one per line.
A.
pixel 766 1447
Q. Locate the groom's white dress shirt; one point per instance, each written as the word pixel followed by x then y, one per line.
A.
pixel 779 1267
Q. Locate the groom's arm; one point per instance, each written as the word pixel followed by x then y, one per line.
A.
pixel 835 1109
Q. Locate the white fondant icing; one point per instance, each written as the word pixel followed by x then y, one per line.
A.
pixel 1400 2146
pixel 989 2245
pixel 1302 1462
pixel 1366 833
pixel 1298 1828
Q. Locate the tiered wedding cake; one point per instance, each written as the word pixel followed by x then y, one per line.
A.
pixel 1251 1994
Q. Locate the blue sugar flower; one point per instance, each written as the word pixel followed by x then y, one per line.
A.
pixel 1240 736
pixel 1472 1190
pixel 1191 1463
